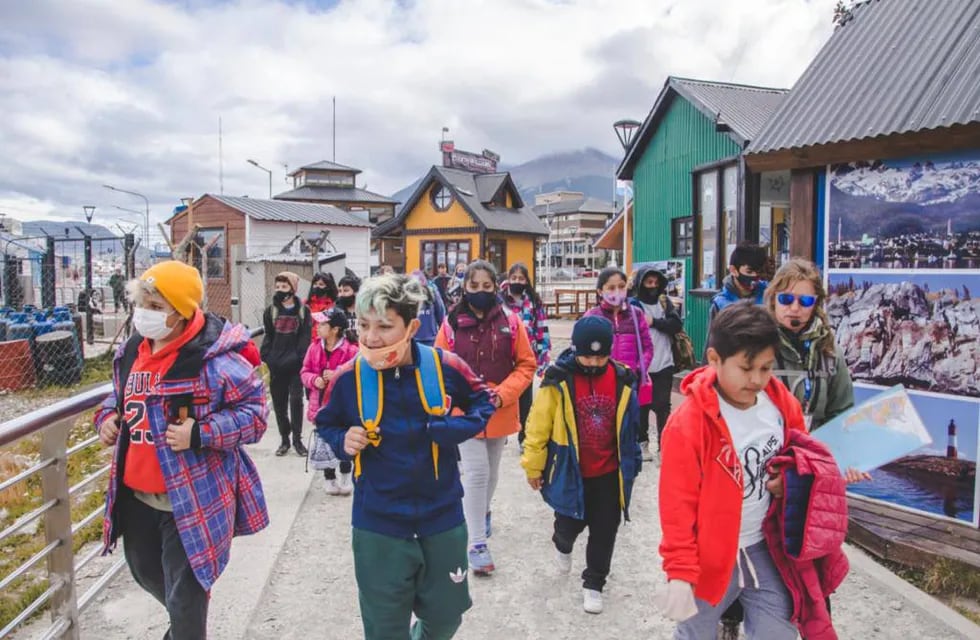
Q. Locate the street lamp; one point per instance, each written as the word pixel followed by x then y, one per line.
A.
pixel 146 213
pixel 269 171
pixel 625 131
pixel 89 212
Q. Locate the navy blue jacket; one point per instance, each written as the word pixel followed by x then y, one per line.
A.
pixel 398 493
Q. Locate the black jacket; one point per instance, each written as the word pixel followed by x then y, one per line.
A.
pixel 286 340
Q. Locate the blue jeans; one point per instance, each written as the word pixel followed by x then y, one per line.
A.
pixel 158 562
pixel 764 597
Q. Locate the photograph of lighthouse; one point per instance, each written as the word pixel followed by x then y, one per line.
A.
pixel 905 214
pixel 920 330
pixel 939 478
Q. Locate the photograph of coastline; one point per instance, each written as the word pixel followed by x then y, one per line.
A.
pixel 905 214
pixel 939 478
pixel 918 330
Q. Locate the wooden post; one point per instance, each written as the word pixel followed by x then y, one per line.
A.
pixel 802 213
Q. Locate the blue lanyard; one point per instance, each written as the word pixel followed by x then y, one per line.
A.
pixel 808 380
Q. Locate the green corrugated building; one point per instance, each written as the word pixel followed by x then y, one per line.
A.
pixel 694 200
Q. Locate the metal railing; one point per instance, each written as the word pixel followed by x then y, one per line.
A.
pixel 54 424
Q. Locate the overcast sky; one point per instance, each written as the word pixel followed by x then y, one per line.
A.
pixel 129 92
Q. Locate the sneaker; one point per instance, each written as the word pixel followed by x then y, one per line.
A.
pixel 346 485
pixel 481 562
pixel 489 525
pixel 728 629
pixel 592 601
pixel 645 450
pixel 301 448
pixel 332 486
pixel 563 561
pixel 283 449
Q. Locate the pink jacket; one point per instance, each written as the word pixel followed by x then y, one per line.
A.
pixel 805 530
pixel 632 344
pixel 315 363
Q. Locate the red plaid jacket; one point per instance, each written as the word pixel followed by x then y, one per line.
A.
pixel 214 486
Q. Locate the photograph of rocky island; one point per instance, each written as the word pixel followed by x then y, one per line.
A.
pixel 941 477
pixel 897 214
pixel 920 331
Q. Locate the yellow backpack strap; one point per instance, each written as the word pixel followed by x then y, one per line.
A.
pixel 370 404
pixel 432 390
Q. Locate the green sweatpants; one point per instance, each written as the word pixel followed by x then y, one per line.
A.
pixel 397 576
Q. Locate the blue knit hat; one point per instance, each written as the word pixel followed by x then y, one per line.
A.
pixel 592 336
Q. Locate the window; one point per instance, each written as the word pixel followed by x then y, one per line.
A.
pixel 729 209
pixel 449 253
pixel 216 252
pixel 442 198
pixel 682 237
pixel 707 190
pixel 497 254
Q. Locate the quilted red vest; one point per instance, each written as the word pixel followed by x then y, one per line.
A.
pixel 486 345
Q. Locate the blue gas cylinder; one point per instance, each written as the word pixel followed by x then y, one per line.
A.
pixel 42 324
pixel 20 327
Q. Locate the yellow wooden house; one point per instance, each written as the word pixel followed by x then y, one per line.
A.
pixel 457 216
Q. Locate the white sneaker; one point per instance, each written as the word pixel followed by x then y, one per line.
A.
pixel 592 601
pixel 563 561
pixel 346 485
pixel 645 451
pixel 332 487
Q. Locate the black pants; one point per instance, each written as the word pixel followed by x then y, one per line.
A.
pixel 287 391
pixel 524 407
pixel 663 382
pixel 158 562
pixel 345 467
pixel 602 515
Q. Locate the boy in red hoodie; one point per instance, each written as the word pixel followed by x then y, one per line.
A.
pixel 714 486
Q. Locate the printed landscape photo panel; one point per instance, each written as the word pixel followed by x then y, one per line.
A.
pixel 918 330
pixel 940 478
pixel 905 214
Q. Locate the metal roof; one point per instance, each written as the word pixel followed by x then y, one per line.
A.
pixel 284 211
pixel 467 191
pixel 742 109
pixel 894 66
pixel 334 194
pixel 326 165
pixel 575 205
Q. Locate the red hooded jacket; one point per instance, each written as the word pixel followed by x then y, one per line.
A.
pixel 805 530
pixel 701 485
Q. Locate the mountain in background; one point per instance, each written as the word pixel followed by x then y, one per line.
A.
pixel 65 229
pixel 587 170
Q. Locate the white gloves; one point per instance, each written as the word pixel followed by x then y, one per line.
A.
pixel 677 602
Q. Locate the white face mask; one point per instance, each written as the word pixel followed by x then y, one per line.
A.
pixel 151 324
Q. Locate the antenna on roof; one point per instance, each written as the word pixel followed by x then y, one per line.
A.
pixel 335 128
pixel 221 161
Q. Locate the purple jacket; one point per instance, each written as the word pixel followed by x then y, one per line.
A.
pixel 628 323
pixel 213 486
pixel 314 364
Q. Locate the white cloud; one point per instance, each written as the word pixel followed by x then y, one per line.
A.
pixel 129 92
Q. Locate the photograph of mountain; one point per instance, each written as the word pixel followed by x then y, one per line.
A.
pixel 902 214
pixel 939 478
pixel 918 330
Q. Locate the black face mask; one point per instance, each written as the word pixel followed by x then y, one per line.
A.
pixel 345 301
pixel 648 295
pixel 591 372
pixel 320 292
pixel 481 300
pixel 747 282
pixel 279 297
pixel 517 288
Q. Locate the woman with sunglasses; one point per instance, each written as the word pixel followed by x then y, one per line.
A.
pixel 809 361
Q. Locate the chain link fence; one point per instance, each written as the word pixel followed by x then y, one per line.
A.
pixel 63 303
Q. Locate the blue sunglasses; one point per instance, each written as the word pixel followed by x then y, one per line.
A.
pixel 787 299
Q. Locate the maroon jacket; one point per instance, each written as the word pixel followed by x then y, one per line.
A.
pixel 805 530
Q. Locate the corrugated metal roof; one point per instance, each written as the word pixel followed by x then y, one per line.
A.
pixel 334 194
pixel 284 211
pixel 326 165
pixel 575 205
pixel 744 108
pixel 895 66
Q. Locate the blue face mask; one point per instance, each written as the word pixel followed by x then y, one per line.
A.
pixel 481 301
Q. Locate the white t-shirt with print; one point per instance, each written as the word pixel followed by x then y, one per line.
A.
pixel 757 436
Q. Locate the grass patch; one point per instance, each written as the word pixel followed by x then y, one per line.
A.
pixel 954 583
pixel 27 495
